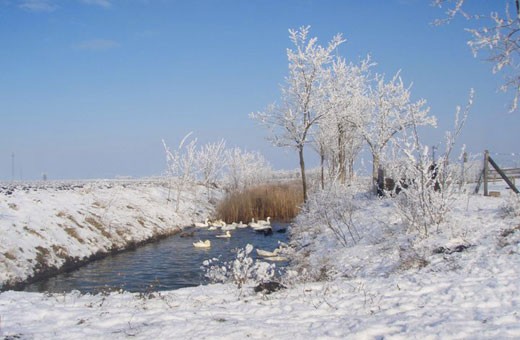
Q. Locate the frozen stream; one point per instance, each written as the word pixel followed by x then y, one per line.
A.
pixel 168 264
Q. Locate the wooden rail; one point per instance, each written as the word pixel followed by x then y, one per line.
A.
pixel 512 173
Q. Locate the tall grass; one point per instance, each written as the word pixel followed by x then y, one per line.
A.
pixel 281 202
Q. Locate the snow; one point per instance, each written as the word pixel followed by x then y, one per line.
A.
pixel 392 283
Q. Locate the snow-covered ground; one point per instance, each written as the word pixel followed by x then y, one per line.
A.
pixel 42 227
pixel 460 282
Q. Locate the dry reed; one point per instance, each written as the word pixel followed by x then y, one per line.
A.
pixel 281 202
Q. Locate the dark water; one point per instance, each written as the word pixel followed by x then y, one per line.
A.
pixel 168 264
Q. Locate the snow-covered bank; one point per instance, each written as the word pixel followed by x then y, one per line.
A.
pixel 461 281
pixel 45 229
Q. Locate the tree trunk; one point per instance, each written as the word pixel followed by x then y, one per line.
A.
pixel 322 168
pixel 351 169
pixel 375 168
pixel 342 155
pixel 302 169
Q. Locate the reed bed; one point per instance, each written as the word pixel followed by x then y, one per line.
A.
pixel 281 202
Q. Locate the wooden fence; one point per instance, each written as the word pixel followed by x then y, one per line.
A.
pixel 491 175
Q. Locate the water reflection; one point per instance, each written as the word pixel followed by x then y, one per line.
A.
pixel 168 264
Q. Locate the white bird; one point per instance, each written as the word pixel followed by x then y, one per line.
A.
pixel 241 225
pixel 218 223
pixel 265 222
pixel 267 253
pixel 201 225
pixel 260 225
pixel 276 258
pixel 202 244
pixel 231 226
pixel 227 234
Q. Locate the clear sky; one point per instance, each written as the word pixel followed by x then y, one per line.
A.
pixel 88 88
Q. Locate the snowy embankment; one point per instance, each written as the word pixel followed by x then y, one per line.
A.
pixel 461 281
pixel 47 228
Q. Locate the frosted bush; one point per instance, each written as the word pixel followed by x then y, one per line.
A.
pixel 327 221
pixel 425 201
pixel 428 189
pixel 511 206
pixel 242 271
pixel 214 271
pixel 333 209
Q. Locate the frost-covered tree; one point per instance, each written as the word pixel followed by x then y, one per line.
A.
pixel 345 99
pixel 322 143
pixel 210 161
pixel 498 37
pixel 245 168
pixel 180 165
pixel 390 110
pixel 291 120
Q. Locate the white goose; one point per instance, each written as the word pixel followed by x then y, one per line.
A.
pixel 265 222
pixel 260 225
pixel 231 226
pixel 201 225
pixel 218 223
pixel 227 234
pixel 275 253
pixel 276 258
pixel 241 225
pixel 202 244
pixel 267 253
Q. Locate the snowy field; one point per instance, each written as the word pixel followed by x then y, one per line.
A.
pixel 49 225
pixel 460 282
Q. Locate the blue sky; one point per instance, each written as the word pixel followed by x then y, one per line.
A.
pixel 88 88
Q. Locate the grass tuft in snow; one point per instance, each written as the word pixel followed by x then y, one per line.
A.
pixel 94 222
pixel 32 231
pixel 41 256
pixel 72 232
pixel 60 251
pixel 8 255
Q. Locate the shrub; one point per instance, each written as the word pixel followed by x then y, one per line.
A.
pixel 511 206
pixel 329 221
pixel 334 208
pixel 241 271
pixel 426 198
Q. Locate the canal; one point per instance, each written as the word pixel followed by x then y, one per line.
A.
pixel 168 264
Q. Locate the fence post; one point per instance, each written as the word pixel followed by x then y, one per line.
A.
pixel 486 172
